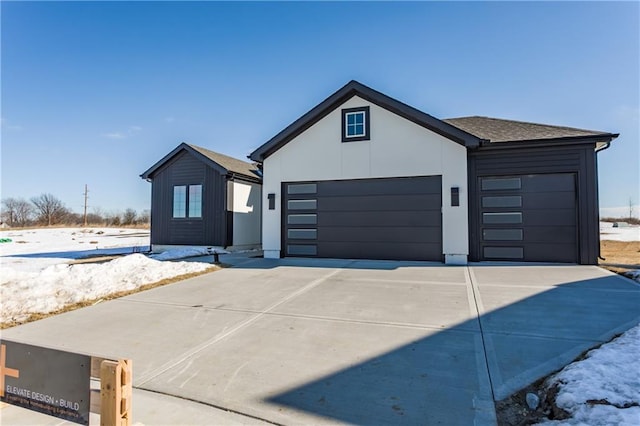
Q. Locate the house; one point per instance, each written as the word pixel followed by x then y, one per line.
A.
pixel 363 175
pixel 203 198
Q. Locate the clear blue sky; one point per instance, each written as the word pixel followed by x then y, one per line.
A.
pixel 96 93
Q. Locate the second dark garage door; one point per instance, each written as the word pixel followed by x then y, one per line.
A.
pixel 395 218
pixel 529 218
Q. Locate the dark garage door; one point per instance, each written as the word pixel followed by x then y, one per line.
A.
pixel 398 218
pixel 528 218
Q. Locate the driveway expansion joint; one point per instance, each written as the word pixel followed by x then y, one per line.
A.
pixel 243 324
pixel 208 404
pixel 480 311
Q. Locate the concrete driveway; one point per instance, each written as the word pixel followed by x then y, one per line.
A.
pixel 297 341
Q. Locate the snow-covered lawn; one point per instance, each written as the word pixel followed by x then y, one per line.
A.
pixel 629 233
pixel 604 388
pixel 36 276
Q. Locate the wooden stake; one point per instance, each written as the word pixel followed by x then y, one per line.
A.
pixel 115 393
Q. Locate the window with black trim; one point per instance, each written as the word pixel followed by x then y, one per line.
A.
pixel 355 124
pixel 187 201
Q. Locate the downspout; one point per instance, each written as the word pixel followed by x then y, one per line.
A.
pixel 602 148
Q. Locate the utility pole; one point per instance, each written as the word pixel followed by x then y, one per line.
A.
pixel 86 197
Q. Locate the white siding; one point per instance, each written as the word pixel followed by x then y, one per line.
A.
pixel 247 201
pixel 398 147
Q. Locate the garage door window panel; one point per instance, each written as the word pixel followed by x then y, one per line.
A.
pixel 502 218
pixel 303 188
pixel 503 253
pixel 502 234
pixel 302 234
pixel 302 204
pixel 502 201
pixel 302 219
pixel 302 250
pixel 500 184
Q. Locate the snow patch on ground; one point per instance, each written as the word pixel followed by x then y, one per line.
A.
pixel 182 252
pixel 609 377
pixel 35 275
pixel 32 250
pixel 24 293
pixel 608 232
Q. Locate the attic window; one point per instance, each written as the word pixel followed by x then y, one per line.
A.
pixel 355 124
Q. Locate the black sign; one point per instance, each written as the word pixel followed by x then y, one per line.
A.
pixel 46 380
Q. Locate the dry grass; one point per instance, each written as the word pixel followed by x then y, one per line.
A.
pixel 620 256
pixel 73 307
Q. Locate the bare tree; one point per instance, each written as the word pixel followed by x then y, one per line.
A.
pixel 96 217
pixel 129 217
pixel 49 209
pixel 16 211
pixel 24 212
pixel 145 217
pixel 112 218
pixel 8 213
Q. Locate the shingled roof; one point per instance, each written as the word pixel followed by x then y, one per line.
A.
pixel 500 130
pixel 231 164
pixel 224 163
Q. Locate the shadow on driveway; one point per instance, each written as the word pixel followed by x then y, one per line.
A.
pixel 442 378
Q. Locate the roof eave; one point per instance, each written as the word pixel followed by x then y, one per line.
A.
pixel 570 140
pixel 183 147
pixel 242 176
pixel 303 123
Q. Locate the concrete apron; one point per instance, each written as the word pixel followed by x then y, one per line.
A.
pixel 333 341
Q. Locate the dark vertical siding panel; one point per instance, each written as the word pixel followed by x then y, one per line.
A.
pixel 185 169
pixel 159 222
pixel 578 159
pixel 590 227
pixel 473 200
pixel 215 209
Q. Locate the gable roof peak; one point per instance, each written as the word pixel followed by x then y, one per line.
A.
pixel 222 163
pixel 345 93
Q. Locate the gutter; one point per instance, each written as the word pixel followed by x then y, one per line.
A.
pixel 605 146
pixel 552 142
